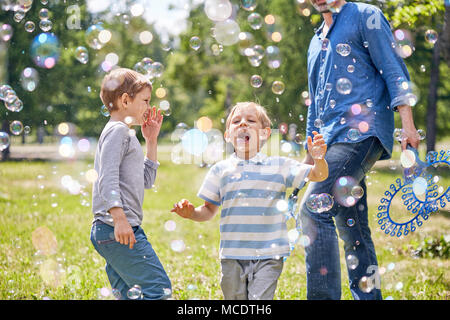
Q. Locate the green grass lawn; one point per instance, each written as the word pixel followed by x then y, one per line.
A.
pixel 32 196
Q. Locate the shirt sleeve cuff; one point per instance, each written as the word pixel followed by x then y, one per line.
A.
pixel 408 100
pixel 207 199
pixel 150 163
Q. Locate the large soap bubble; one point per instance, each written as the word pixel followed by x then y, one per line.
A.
pixel 227 32
pixel 218 10
pixel 45 50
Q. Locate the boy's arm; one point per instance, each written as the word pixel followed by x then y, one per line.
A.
pixel 319 171
pixel 150 130
pixel 123 232
pixel 187 210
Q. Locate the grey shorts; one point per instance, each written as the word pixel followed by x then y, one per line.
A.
pixel 250 279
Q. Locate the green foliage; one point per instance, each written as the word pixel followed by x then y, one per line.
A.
pixel 204 82
pixel 433 247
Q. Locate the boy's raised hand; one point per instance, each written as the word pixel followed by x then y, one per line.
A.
pixel 183 208
pixel 152 124
pixel 317 147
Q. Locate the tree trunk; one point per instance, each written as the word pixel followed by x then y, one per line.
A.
pixel 432 98
pixel 445 36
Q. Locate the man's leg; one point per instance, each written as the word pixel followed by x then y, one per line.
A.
pixel 322 253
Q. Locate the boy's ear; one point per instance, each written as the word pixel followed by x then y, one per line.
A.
pixel 225 135
pixel 124 99
pixel 265 133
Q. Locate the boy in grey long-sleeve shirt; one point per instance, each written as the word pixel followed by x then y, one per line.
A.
pixel 132 266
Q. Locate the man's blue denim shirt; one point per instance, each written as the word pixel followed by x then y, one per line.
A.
pixel 358 51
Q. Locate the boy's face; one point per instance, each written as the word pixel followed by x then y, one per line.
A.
pixel 137 107
pixel 246 131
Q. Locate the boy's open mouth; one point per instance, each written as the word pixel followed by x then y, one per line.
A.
pixel 243 137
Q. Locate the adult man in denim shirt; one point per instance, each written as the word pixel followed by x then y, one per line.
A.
pixel 356 83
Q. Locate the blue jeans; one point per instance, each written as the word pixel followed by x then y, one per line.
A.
pixel 322 253
pixel 127 267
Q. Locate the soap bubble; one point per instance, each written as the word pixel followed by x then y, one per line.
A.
pixel 273 57
pixel 353 134
pixel 195 43
pixel 419 186
pixel 256 81
pixel 256 54
pixel 350 222
pixel 343 49
pixel 352 262
pixel 156 70
pixel 44 240
pixel 29 79
pixel 43 14
pixel 29 26
pixel 194 141
pixel 82 54
pixel 135 292
pixel 366 284
pixel 357 192
pixel 255 20
pixel 14 104
pixel 403 44
pixel 170 225
pixel 104 111
pixel 344 86
pixel 318 123
pixel 92 36
pixel 45 50
pixel 5 90
pixel 246 42
pixel 342 191
pixel 407 158
pixel 6 32
pixel 318 203
pixel 398 134
pixel 350 68
pixel 177 245
pixel 45 25
pixel 278 87
pixel 16 127
pixel 431 36
pixel 4 140
pixel 218 10
pixel 227 32
pixel 421 134
pixel 249 5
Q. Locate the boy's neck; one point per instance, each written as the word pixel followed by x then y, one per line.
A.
pixel 247 155
pixel 118 116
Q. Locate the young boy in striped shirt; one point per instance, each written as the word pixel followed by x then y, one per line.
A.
pixel 248 186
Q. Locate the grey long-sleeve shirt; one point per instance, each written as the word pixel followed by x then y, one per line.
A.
pixel 123 174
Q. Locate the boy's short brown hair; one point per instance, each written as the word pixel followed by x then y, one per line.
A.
pixel 120 81
pixel 261 113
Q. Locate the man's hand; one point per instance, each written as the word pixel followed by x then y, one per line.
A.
pixel 410 135
pixel 183 208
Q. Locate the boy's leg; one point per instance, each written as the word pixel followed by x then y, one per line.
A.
pixel 137 266
pixel 322 253
pixel 234 280
pixel 263 278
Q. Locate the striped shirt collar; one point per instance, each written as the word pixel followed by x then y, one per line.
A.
pixel 257 159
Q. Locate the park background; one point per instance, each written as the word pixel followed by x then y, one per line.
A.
pixel 46 182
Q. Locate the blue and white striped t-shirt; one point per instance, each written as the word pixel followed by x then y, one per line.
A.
pixel 251 225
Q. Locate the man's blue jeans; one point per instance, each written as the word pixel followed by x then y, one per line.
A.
pixel 127 267
pixel 322 254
